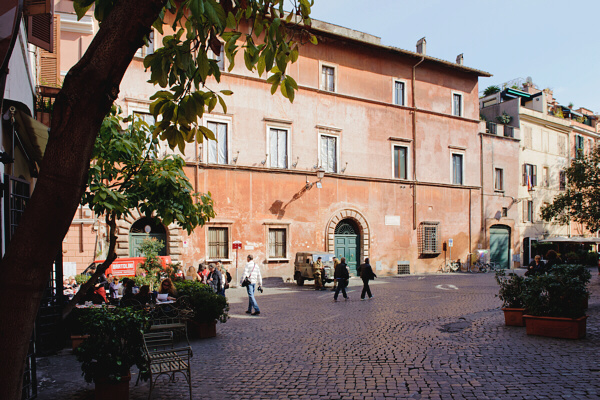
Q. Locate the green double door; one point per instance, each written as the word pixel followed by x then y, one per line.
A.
pixel 500 245
pixel 136 239
pixel 347 244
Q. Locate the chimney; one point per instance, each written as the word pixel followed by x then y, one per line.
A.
pixel 421 45
pixel 460 59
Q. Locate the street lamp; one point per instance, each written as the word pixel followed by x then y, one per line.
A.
pixel 320 175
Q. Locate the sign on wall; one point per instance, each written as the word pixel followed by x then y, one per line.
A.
pixel 392 220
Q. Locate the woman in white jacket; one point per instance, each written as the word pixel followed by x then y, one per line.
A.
pixel 252 272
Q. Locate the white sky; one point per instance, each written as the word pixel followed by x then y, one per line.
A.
pixel 557 43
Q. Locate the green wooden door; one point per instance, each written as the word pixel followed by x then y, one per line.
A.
pixel 347 242
pixel 136 239
pixel 500 245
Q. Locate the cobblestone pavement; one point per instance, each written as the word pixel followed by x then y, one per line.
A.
pixel 421 337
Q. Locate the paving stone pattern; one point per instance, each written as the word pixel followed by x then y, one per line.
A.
pixel 420 337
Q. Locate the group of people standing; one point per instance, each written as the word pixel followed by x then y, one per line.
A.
pixel 216 276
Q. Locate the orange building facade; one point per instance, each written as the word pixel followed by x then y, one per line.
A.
pixel 395 133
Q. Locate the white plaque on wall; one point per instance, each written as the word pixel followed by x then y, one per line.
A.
pixel 392 220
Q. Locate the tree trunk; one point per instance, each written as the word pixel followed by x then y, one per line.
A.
pixel 89 90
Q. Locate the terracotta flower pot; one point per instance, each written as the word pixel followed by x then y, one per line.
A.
pixel 564 328
pixel 202 330
pixel 514 316
pixel 111 390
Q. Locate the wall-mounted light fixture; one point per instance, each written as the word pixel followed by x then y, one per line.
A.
pixel 236 157
pixel 296 163
pixel 263 162
pixel 320 176
pixel 344 169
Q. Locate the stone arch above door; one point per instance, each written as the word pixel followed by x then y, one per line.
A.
pixel 174 238
pixel 361 222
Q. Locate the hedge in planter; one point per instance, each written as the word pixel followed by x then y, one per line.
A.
pixel 511 294
pixel 557 298
pixel 208 306
pixel 115 343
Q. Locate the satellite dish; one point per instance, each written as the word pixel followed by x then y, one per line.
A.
pixel 529 80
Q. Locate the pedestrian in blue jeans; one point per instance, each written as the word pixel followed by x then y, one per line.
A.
pixel 252 272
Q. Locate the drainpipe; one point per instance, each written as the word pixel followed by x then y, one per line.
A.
pixel 482 188
pixel 414 140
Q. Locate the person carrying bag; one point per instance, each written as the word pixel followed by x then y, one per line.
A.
pixel 250 279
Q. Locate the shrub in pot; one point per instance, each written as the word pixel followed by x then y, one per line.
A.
pixel 557 297
pixel 511 294
pixel 115 345
pixel 208 307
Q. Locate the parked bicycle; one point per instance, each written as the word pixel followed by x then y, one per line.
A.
pixel 449 266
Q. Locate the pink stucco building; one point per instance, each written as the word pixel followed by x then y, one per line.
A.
pixel 395 132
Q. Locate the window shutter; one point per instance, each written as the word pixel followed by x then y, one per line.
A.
pixel 534 178
pixel 49 61
pixel 525 207
pixel 524 174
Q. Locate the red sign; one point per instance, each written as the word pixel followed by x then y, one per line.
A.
pixel 236 245
pixel 126 266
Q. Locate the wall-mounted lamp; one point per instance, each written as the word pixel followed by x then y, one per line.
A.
pixel 263 162
pixel 320 176
pixel 236 157
pixel 344 169
pixel 296 163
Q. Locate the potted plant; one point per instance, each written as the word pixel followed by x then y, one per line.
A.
pixel 511 294
pixel 114 346
pixel 208 307
pixel 555 302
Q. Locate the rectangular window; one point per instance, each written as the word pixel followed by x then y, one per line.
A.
pixel 429 240
pixel 328 78
pixel 579 146
pixel 491 127
pixel 528 211
pixel 457 169
pixel 399 93
pixel 545 176
pixel 509 131
pixel 218 243
pixel 278 148
pixel 505 211
pixel 499 179
pixel 562 145
pixel 527 138
pixel 220 59
pixel 529 176
pixel 457 104
pixel 217 150
pixel 146 49
pixel 400 164
pixel 329 153
pixel 562 180
pixel 277 243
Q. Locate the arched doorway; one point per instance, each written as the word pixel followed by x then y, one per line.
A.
pixel 146 228
pixel 347 243
pixel 500 245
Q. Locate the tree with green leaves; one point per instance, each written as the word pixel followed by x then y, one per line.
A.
pixel 127 174
pixel 580 202
pixel 89 89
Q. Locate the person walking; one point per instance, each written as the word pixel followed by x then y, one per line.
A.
pixel 366 274
pixel 341 276
pixel 252 272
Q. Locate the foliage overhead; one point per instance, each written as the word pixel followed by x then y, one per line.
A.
pixel 580 202
pixel 126 174
pixel 269 36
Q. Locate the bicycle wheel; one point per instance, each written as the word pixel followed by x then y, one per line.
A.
pixel 455 266
pixel 483 268
pixel 475 268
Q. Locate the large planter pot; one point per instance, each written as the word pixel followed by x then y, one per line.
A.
pixel 111 390
pixel 564 328
pixel 76 340
pixel 514 316
pixel 202 330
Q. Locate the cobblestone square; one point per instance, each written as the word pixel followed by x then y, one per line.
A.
pixel 420 337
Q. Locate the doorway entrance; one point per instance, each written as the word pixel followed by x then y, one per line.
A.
pixel 500 245
pixel 347 243
pixel 145 228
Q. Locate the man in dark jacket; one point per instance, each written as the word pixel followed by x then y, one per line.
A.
pixel 536 267
pixel 341 275
pixel 215 279
pixel 366 274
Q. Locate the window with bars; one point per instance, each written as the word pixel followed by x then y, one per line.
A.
pixel 329 153
pixel 328 78
pixel 400 164
pixel 278 148
pixel 15 198
pixel 457 104
pixel 218 243
pixel 429 238
pixel 399 90
pixel 277 243
pixel 217 150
